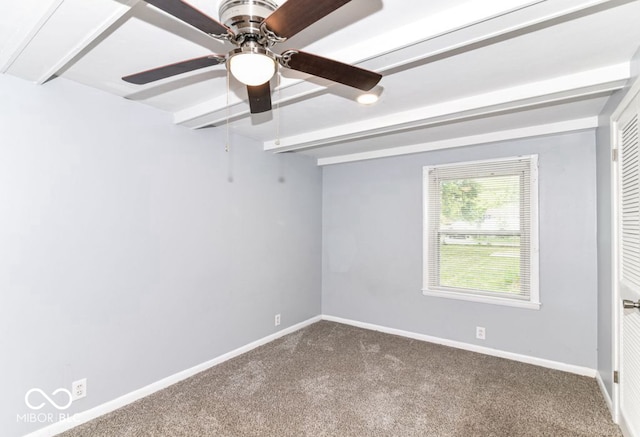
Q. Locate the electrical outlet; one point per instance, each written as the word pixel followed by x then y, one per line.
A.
pixel 480 333
pixel 79 389
pixel 277 321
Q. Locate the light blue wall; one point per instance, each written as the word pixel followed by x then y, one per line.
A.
pixel 372 251
pixel 126 255
pixel 603 169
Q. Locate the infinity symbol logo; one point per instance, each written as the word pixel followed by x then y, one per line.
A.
pixel 51 401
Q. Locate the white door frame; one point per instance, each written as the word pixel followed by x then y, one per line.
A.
pixel 616 304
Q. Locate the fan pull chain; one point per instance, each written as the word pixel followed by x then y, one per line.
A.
pixel 226 146
pixel 281 179
pixel 278 118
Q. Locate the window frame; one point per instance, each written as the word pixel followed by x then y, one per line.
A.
pixel 533 300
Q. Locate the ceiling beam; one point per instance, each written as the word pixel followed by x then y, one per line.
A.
pixel 388 53
pixel 39 50
pixel 552 91
pixel 491 137
pixel 25 30
pixel 120 10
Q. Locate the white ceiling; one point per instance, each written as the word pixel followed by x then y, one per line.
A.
pixel 456 72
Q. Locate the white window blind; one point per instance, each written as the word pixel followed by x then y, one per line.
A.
pixel 480 239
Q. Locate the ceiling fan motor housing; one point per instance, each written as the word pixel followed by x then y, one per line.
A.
pixel 245 16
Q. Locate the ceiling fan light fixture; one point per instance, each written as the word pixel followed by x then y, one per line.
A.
pixel 253 66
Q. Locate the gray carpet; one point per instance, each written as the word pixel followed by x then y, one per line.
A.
pixel 331 379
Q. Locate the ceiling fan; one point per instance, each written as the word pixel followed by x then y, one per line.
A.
pixel 254 26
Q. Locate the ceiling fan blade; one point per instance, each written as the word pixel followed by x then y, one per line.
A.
pixel 329 69
pixel 295 15
pixel 190 15
pixel 173 69
pixel 259 98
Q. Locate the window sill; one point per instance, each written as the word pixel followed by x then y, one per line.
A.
pixel 483 299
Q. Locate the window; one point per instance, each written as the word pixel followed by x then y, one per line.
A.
pixel 481 231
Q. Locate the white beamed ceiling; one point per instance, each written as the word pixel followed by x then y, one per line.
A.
pixel 455 72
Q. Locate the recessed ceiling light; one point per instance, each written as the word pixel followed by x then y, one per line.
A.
pixel 367 99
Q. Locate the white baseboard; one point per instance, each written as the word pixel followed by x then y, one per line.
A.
pixel 606 396
pixel 578 370
pixel 107 407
